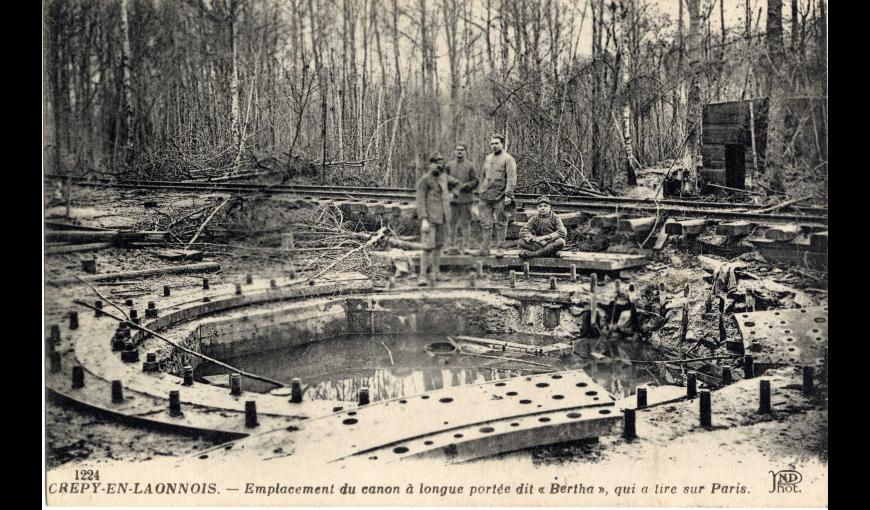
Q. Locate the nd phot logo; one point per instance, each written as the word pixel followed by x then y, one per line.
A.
pixel 786 480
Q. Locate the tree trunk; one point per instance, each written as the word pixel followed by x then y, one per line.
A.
pixel 775 88
pixel 691 153
pixel 324 93
pixel 234 75
pixel 126 84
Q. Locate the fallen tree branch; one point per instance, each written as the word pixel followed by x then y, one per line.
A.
pixel 392 362
pixel 379 234
pixel 782 204
pixel 503 358
pixel 104 298
pixel 204 223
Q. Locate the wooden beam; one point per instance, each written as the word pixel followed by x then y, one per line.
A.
pixel 686 227
pixel 637 224
pixel 605 220
pixel 75 248
pixel 734 228
pixel 588 261
pixel 782 232
pixel 202 267
pixel 80 235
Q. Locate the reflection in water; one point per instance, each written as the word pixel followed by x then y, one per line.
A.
pixel 336 369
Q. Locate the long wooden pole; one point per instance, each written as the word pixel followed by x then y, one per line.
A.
pixel 184 349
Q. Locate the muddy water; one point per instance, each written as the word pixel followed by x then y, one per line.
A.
pixel 393 366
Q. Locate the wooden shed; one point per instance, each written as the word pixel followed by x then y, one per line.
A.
pixel 733 141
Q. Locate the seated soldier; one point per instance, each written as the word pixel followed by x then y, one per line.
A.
pixel 544 234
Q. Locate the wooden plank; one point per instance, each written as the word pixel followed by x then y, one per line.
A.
pixel 726 134
pixel 785 232
pixel 685 227
pixel 734 228
pixel 80 235
pixel 712 151
pixel 375 208
pixel 589 261
pixel 735 112
pixel 605 220
pixel 75 248
pixel 202 267
pixel 180 255
pixel 514 346
pixel 57 225
pixel 819 240
pixel 714 175
pixel 637 224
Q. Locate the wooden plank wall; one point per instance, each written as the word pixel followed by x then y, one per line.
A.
pixel 729 123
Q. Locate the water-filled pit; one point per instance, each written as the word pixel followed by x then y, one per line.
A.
pixel 393 345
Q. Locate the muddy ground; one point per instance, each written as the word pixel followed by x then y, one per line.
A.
pixel 247 239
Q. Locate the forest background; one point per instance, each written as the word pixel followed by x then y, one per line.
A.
pixel 360 92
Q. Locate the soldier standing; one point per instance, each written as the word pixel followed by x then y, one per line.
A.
pixel 460 207
pixel 497 193
pixel 433 209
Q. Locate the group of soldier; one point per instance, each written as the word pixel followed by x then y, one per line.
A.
pixel 445 199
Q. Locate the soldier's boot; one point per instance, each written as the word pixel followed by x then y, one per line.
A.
pixel 423 279
pixel 501 236
pixel 484 243
pixel 468 240
pixel 435 260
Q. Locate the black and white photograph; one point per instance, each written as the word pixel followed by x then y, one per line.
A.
pixel 435 253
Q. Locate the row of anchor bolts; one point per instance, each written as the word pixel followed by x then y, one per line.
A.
pixel 705 404
pixel 78 381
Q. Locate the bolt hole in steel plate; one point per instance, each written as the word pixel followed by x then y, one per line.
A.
pixel 511 394
pixel 574 416
pixel 500 384
pixel 400 449
pixel 604 411
pixel 555 376
pixel 428 443
pixel 487 430
pixel 525 401
pixel 543 419
pixel 581 385
pixel 542 385
pixel 782 332
pixel 515 424
pixel 445 400
pixel 350 421
pixel 558 397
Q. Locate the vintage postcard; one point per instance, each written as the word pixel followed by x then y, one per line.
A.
pixel 435 253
